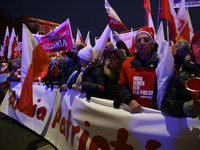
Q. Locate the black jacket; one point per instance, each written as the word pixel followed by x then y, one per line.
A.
pixel 177 94
pixel 74 65
pixel 93 79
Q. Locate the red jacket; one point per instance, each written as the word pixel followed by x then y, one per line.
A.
pixel 137 82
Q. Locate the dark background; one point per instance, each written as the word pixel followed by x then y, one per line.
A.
pixel 89 15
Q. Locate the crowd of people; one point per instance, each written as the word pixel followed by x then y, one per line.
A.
pixel 121 76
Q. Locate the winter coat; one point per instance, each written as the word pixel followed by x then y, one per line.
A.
pixel 130 68
pixel 176 93
pixel 93 79
pixel 74 65
pixel 15 75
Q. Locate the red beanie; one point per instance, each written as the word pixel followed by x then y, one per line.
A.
pixel 195 37
pixel 147 30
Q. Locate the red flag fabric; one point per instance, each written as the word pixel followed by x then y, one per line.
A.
pixel 57 40
pixel 34 59
pixel 182 23
pixel 5 45
pixel 112 17
pixel 168 13
pixel 79 37
pixel 12 45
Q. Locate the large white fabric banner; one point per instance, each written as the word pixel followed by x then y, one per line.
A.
pixel 73 122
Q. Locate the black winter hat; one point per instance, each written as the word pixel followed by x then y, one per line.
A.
pixel 69 54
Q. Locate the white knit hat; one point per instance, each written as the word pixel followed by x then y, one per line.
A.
pixel 86 53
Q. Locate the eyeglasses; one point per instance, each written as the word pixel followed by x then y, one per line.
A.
pixel 196 44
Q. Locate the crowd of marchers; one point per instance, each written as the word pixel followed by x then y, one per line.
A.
pixel 120 76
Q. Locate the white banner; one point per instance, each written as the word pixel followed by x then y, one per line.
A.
pixel 76 123
pixel 188 3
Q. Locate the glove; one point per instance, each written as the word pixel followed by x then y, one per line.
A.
pixel 190 109
pixel 116 36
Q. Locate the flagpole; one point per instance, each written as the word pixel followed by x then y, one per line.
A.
pixel 158 15
pixel 145 17
pixel 167 31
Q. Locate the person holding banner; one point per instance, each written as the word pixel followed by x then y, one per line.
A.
pixel 112 69
pixel 137 81
pixel 178 101
pixel 16 72
pixel 74 65
pixel 90 77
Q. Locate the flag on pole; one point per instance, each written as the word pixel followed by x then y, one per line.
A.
pixel 87 40
pixel 79 36
pixel 12 45
pixel 190 25
pixel 164 71
pixel 168 13
pixel 132 42
pixel 5 44
pixel 149 15
pixel 34 59
pixel 99 47
pixel 182 23
pixel 113 20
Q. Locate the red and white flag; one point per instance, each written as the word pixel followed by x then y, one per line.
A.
pixel 34 59
pixel 182 23
pixel 5 44
pixel 87 40
pixel 168 13
pixel 132 42
pixel 113 20
pixel 79 37
pixel 99 47
pixel 12 45
pixel 149 15
pixel 190 25
pixel 164 71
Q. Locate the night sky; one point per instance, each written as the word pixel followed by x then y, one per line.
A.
pixel 89 15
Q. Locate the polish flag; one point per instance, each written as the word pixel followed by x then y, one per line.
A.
pixel 34 59
pixel 149 15
pixel 5 44
pixel 190 25
pixel 112 17
pixel 132 42
pixel 182 23
pixel 79 36
pixel 164 71
pixel 168 13
pixel 99 47
pixel 12 45
pixel 87 40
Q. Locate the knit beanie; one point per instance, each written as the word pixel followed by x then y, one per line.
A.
pixel 18 61
pixel 195 37
pixel 69 54
pixel 147 30
pixel 86 53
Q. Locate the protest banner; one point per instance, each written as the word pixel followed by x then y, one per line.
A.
pixel 57 40
pixel 69 121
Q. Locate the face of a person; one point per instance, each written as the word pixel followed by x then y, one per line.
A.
pixel 196 48
pixel 143 44
pixel 57 61
pixel 66 58
pixel 113 60
pixel 75 49
pixel 108 47
pixel 82 62
pixel 182 53
pixel 15 65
